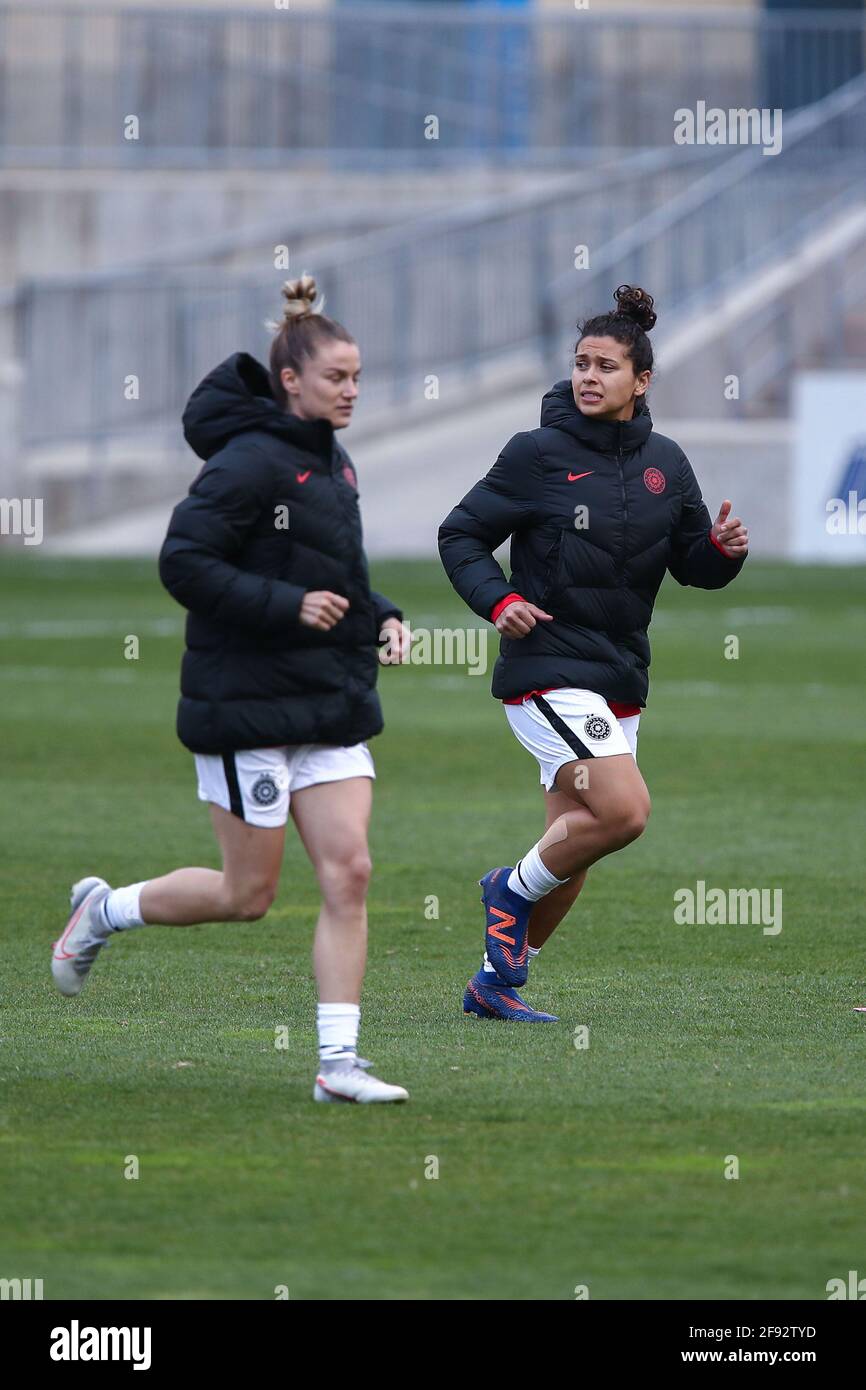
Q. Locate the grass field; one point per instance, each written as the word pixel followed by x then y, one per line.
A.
pixel 558 1167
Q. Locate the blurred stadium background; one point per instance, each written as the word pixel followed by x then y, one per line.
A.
pixel 261 127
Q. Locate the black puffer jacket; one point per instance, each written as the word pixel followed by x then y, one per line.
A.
pixel 254 676
pixel 596 570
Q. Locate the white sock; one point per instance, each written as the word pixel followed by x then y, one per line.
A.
pixel 338 1026
pixel 122 908
pixel 533 951
pixel 530 878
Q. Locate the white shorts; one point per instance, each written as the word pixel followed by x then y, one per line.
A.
pixel 568 723
pixel 256 783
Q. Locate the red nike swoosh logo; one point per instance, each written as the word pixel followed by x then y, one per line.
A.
pixel 573 477
pixel 302 477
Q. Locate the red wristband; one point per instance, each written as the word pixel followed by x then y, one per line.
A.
pixel 503 603
pixel 720 549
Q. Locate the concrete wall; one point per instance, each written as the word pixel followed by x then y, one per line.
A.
pixel 807 309
pixel 60 222
pixel 654 5
pixel 239 5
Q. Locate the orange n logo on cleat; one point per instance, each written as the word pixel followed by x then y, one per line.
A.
pixel 506 920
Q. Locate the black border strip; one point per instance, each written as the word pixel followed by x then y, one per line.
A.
pixel 231 772
pixel 569 736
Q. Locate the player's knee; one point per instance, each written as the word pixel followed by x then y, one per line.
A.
pixel 635 819
pixel 250 902
pixel 627 822
pixel 355 874
pixel 346 879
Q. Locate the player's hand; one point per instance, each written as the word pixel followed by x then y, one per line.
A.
pixel 730 533
pixel 519 618
pixel 396 637
pixel 322 609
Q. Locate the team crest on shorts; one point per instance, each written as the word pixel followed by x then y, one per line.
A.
pixel 264 790
pixel 596 726
pixel 654 479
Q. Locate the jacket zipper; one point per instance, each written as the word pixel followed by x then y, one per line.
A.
pixel 624 502
pixel 361 571
pixel 551 560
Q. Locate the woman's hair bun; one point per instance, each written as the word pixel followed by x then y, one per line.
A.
pixel 300 298
pixel 634 303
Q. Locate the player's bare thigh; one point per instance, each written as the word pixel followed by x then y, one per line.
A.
pixel 252 856
pixel 605 786
pixel 333 820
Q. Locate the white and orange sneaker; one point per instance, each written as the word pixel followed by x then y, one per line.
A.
pixel 354 1084
pixel 83 937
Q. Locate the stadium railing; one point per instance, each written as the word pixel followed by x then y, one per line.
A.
pixel 747 214
pixel 447 294
pixel 355 87
pixel 450 297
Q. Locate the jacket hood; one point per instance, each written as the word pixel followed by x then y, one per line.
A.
pixel 235 397
pixel 558 409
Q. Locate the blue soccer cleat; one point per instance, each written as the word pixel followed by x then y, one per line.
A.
pixel 505 936
pixel 488 997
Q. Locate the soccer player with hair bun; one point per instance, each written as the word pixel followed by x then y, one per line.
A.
pixel 278 682
pixel 599 508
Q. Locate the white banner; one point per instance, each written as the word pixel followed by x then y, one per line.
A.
pixel 828 499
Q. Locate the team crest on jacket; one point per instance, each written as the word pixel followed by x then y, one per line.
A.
pixel 596 726
pixel 264 790
pixel 654 479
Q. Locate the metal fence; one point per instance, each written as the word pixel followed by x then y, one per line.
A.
pixel 360 87
pixel 451 295
pixel 744 215
pixel 443 294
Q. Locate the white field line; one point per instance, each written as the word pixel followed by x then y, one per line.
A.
pixel 41 630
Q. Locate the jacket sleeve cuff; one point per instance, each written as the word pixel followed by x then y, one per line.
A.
pixel 720 549
pixel 285 603
pixel 384 608
pixel 503 603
